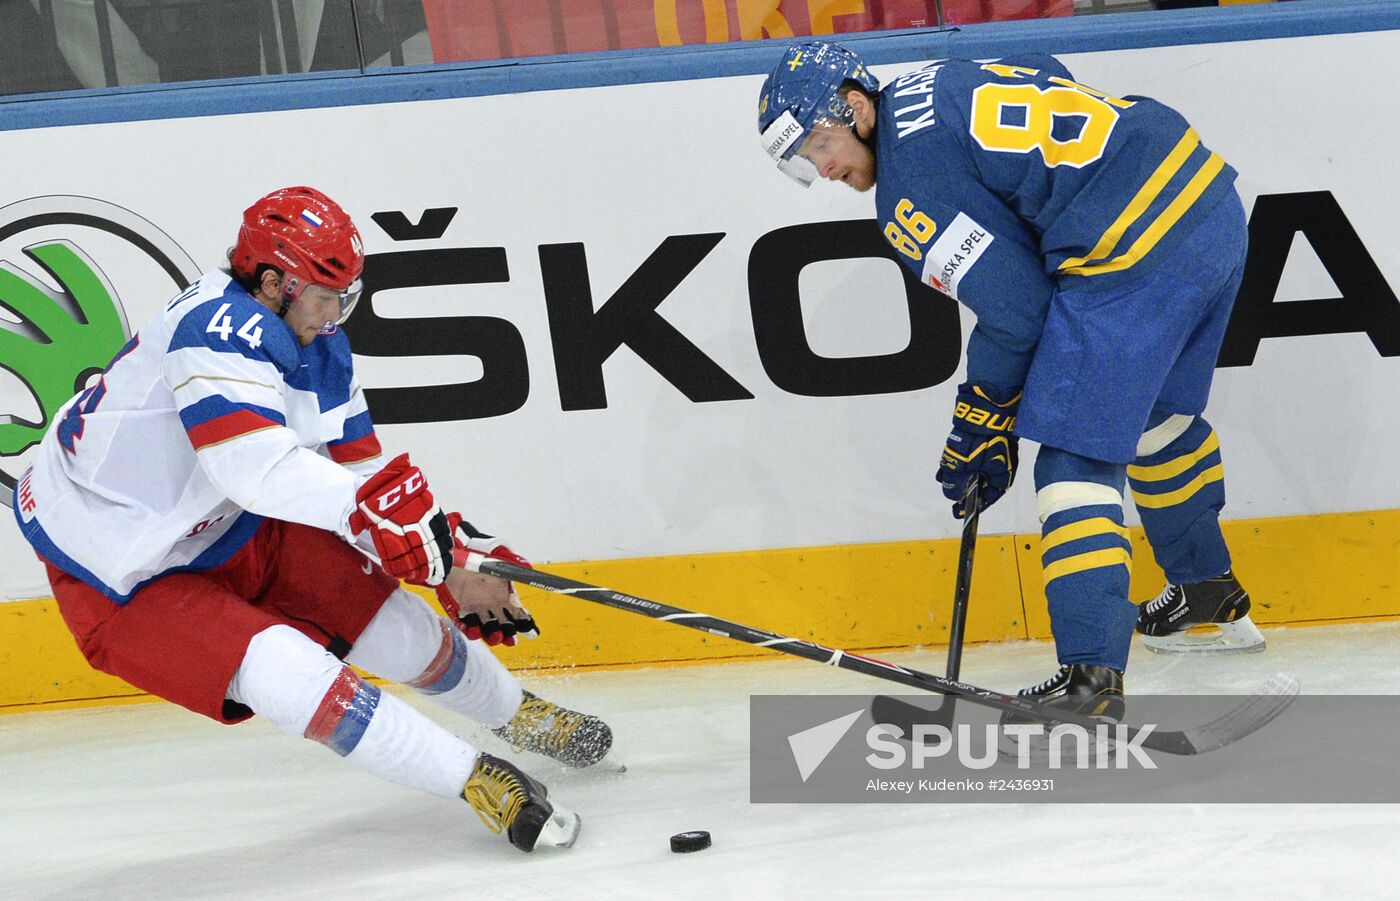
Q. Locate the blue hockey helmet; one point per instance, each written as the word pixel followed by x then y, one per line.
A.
pixel 803 91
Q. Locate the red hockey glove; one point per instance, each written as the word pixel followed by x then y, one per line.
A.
pixel 410 532
pixel 484 607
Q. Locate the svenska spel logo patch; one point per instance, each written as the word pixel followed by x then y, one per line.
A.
pixel 954 254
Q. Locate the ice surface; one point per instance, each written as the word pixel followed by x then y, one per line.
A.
pixel 151 802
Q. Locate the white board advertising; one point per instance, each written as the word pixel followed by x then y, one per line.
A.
pixel 618 331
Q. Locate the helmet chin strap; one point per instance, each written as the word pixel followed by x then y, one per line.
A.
pixel 289 285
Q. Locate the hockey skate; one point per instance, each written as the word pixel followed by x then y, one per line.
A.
pixel 509 801
pixel 1095 691
pixel 572 738
pixel 1210 617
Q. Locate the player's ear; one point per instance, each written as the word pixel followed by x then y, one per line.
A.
pixel 271 282
pixel 864 109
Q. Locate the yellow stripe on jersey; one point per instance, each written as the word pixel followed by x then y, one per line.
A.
pixel 1140 202
pixel 1177 465
pixel 1113 556
pixel 1162 224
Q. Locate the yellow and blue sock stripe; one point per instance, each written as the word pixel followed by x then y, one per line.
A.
pixel 1179 490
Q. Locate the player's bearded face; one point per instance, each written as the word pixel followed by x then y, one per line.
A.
pixel 839 155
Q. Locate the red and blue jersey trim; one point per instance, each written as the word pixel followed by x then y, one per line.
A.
pixel 365 448
pixel 217 419
pixel 357 442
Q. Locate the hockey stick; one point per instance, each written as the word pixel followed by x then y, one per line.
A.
pixel 1269 699
pixel 886 709
pixel 972 501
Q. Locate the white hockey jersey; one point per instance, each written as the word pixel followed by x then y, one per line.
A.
pixel 212 418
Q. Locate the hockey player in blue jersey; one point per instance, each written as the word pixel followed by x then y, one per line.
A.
pixel 1100 245
pixel 207 512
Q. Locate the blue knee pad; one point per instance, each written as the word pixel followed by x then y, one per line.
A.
pixel 1086 557
pixel 1178 484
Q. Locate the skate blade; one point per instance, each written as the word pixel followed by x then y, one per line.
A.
pixel 560 830
pixel 1239 637
pixel 603 769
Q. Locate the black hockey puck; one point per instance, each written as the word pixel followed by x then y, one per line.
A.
pixel 685 842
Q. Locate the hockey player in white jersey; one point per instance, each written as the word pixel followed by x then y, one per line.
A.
pixel 199 511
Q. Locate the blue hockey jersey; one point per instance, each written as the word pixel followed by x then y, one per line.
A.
pixel 995 181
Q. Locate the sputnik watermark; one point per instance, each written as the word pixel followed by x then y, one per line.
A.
pixel 1110 746
pixel 835 749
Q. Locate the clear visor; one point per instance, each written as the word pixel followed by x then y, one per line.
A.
pixel 799 169
pixel 348 298
pixel 822 142
pixel 345 300
pixel 800 154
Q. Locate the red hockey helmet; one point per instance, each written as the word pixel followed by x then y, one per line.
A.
pixel 307 237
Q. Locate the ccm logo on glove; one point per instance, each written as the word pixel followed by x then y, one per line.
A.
pixel 410 531
pixel 410 486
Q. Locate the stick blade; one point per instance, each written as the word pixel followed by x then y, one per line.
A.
pixel 1267 702
pixel 905 716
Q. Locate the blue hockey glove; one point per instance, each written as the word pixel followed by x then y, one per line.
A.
pixel 981 443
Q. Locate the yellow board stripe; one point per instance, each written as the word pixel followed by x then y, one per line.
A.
pixel 1098 525
pixel 1141 201
pixel 1162 224
pixel 1175 467
pixel 1307 569
pixel 1113 556
pixel 1172 498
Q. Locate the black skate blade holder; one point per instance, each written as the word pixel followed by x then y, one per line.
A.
pixel 904 715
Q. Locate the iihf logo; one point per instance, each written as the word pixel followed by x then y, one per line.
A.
pixel 65 264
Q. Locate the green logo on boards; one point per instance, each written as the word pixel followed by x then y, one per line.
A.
pixel 62 317
pixel 62 338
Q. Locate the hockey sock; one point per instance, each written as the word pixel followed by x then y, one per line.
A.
pixel 1086 557
pixel 407 642
pixel 1178 484
pixel 304 690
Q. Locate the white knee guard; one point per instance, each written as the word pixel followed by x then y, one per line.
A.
pixel 304 690
pixel 1060 496
pixel 1164 433
pixel 401 641
pixel 407 642
pixel 283 678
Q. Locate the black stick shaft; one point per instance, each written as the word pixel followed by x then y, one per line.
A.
pixel 795 646
pixel 972 502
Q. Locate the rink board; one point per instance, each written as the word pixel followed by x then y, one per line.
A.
pixel 873 597
pixel 781 473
